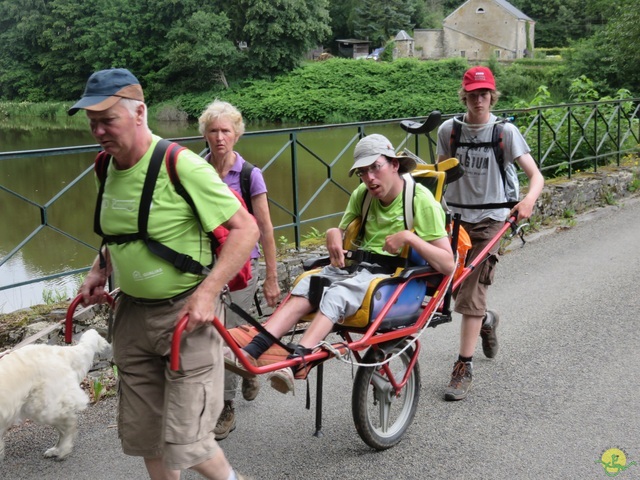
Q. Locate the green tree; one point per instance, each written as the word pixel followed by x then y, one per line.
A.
pixel 278 33
pixel 559 22
pixel 611 57
pixel 21 28
pixel 50 47
pixel 379 20
pixel 342 14
pixel 420 15
pixel 198 55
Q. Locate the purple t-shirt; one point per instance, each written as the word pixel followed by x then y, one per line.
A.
pixel 233 180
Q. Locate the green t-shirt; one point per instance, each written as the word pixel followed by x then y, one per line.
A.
pixel 139 272
pixel 428 222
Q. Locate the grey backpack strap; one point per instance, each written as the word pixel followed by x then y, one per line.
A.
pixel 407 199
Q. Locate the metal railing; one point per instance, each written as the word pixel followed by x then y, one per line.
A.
pixel 563 138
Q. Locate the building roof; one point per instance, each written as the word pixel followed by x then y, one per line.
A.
pixel 352 41
pixel 501 3
pixel 513 10
pixel 402 35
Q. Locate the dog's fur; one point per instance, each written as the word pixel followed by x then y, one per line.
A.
pixel 42 383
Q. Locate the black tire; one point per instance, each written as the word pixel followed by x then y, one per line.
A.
pixel 380 416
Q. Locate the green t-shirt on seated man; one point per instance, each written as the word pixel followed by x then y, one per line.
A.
pixel 428 222
pixel 138 272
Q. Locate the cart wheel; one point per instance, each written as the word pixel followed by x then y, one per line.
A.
pixel 381 417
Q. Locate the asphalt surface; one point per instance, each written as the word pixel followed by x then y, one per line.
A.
pixel 561 392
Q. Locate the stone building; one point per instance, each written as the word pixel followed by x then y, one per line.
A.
pixel 404 45
pixel 478 30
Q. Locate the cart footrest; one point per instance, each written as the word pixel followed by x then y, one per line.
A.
pixel 439 319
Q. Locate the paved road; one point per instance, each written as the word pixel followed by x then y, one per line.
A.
pixel 563 389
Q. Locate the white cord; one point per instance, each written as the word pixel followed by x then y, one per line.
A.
pixel 341 356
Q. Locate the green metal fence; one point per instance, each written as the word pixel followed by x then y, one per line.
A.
pixel 563 139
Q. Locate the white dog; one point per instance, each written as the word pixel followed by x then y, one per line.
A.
pixel 42 383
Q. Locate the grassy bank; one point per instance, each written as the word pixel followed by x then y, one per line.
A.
pixel 338 91
pixel 344 90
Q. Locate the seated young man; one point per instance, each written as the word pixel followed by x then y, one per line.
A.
pixel 384 233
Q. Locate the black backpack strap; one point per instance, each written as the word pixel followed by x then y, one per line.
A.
pixel 150 185
pixel 456 131
pixel 498 148
pixel 496 143
pixel 170 152
pixel 483 206
pixel 100 167
pixel 163 148
pixel 245 184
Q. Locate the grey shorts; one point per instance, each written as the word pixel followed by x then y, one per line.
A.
pixel 343 297
pixel 471 297
pixel 162 413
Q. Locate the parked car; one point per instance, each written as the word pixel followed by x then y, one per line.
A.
pixel 376 54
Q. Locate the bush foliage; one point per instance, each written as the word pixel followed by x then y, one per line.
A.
pixel 355 90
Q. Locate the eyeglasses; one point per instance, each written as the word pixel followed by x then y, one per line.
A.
pixel 372 169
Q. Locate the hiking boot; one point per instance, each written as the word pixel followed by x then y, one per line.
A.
pixel 488 334
pixel 250 388
pixel 461 381
pixel 282 380
pixel 226 422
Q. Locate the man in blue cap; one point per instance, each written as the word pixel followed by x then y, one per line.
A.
pixel 166 417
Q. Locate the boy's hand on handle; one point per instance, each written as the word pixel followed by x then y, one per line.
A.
pixel 523 210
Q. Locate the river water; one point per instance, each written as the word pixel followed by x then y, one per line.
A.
pixel 33 186
pixel 30 188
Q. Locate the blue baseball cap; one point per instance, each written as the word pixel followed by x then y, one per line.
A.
pixel 106 87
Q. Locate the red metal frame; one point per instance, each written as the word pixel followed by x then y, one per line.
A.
pixel 370 336
pixel 68 322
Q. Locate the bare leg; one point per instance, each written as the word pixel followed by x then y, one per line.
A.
pixel 469 332
pixel 288 315
pixel 321 326
pixel 215 468
pixel 317 331
pixel 158 471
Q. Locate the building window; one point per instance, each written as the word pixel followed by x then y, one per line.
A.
pixel 463 53
pixel 496 53
pixel 480 10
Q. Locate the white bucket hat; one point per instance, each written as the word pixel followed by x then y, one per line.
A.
pixel 369 149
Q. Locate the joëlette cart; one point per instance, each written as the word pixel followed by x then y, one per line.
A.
pixel 382 338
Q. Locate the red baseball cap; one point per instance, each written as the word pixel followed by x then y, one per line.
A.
pixel 477 78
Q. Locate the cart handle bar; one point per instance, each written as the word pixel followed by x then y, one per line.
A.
pixel 68 322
